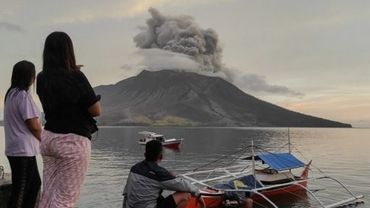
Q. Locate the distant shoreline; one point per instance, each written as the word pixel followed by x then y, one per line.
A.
pixel 252 127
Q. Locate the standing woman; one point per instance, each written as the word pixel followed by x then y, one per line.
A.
pixel 69 104
pixel 22 134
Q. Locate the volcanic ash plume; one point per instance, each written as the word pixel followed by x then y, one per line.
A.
pixel 178 43
pixel 181 34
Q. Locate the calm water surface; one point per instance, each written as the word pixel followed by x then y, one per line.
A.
pixel 342 153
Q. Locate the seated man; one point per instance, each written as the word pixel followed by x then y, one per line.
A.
pixel 147 180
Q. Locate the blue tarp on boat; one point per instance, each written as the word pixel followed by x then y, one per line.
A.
pixel 281 161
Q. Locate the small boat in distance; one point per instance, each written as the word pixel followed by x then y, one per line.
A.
pixel 148 136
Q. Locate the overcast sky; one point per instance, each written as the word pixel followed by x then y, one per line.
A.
pixel 310 56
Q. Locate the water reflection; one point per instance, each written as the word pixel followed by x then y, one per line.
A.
pixel 115 150
pixel 342 153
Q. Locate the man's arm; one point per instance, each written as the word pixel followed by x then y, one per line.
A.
pixel 183 185
pixel 180 184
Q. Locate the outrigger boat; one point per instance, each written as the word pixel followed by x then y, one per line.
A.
pixel 147 136
pixel 276 178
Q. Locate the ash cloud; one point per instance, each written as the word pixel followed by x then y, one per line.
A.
pixel 179 43
pixel 11 27
pixel 159 59
pixel 180 34
pixel 258 83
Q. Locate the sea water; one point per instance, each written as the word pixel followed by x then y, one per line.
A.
pixel 341 153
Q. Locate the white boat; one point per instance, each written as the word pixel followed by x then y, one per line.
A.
pixel 148 136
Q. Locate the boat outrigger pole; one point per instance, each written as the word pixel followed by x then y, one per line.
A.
pixel 289 146
pixel 254 165
pixel 290 150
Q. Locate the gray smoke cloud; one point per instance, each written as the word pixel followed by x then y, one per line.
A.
pixel 177 42
pixel 159 59
pixel 11 27
pixel 181 34
pixel 258 83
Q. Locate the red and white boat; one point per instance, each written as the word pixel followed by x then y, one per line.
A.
pixel 172 143
pixel 275 177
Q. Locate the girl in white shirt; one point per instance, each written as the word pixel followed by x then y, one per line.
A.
pixel 22 136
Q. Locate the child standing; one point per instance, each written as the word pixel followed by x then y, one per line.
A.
pixel 22 135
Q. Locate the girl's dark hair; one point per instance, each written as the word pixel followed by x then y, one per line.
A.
pixel 58 53
pixel 22 76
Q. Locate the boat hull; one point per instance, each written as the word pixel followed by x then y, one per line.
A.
pixel 217 200
pixel 169 144
pixel 292 188
pixel 276 192
pixel 212 199
pixel 172 145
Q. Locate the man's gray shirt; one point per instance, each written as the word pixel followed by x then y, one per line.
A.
pixel 146 182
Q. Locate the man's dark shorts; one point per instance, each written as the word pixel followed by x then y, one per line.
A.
pixel 168 202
